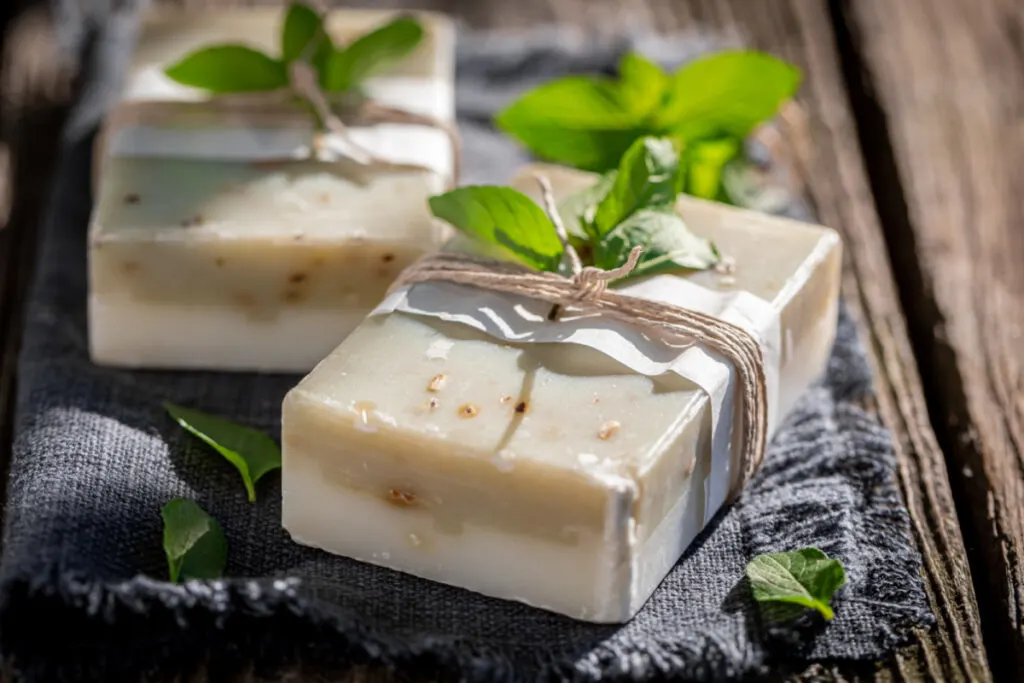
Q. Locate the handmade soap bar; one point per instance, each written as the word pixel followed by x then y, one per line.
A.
pixel 213 244
pixel 566 465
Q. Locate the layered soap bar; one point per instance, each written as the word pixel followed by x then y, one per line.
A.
pixel 213 244
pixel 488 456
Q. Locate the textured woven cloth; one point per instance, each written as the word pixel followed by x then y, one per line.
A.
pixel 95 458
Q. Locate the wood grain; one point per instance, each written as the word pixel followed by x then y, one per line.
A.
pixel 803 31
pixel 946 79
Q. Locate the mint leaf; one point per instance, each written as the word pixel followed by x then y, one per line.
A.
pixel 502 216
pixel 578 209
pixel 229 69
pixel 349 67
pixel 806 577
pixel 579 121
pixel 668 244
pixel 643 84
pixel 193 542
pixel 251 451
pixel 647 177
pixel 304 37
pixel 705 163
pixel 728 93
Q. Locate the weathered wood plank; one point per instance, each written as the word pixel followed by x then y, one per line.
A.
pixel 802 32
pixel 945 82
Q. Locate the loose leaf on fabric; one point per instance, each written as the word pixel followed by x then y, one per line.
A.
pixel 193 542
pixel 252 452
pixel 806 577
pixel 505 217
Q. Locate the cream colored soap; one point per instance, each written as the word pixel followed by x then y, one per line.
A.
pixel 547 473
pixel 213 246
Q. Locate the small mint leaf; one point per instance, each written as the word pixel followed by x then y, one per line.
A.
pixel 229 69
pixel 806 577
pixel 251 451
pixel 505 217
pixel 193 542
pixel 303 37
pixel 642 85
pixel 578 209
pixel 668 245
pixel 647 177
pixel 705 162
pixel 579 121
pixel 727 93
pixel 348 68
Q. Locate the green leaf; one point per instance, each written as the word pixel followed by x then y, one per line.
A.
pixel 502 216
pixel 728 93
pixel 349 67
pixel 705 163
pixel 229 69
pixel 643 84
pixel 577 210
pixel 303 36
pixel 193 542
pixel 806 577
pixel 579 121
pixel 668 244
pixel 251 451
pixel 647 177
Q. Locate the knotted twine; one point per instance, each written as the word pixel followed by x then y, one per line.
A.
pixel 586 293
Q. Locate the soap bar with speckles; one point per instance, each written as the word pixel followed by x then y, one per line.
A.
pixel 211 248
pixel 544 472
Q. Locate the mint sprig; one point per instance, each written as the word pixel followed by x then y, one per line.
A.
pixel 806 577
pixel 589 122
pixel 504 217
pixel 224 69
pixel 252 452
pixel 194 542
pixel 632 206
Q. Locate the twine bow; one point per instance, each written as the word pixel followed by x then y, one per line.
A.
pixel 586 292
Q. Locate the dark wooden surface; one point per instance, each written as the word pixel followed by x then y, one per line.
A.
pixel 912 149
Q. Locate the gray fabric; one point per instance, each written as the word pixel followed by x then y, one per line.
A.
pixel 95 458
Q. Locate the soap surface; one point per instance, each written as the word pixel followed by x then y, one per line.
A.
pixel 547 473
pixel 204 254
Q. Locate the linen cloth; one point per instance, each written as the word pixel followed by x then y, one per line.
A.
pixel 82 595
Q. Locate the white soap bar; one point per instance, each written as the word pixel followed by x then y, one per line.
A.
pixel 187 124
pixel 210 249
pixel 548 473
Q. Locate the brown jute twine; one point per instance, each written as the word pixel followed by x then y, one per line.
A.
pixel 586 293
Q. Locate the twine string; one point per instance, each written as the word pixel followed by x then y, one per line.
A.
pixel 586 293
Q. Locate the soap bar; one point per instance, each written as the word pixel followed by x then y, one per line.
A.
pixel 214 245
pixel 550 473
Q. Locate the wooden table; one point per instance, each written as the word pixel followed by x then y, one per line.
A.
pixel 914 152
